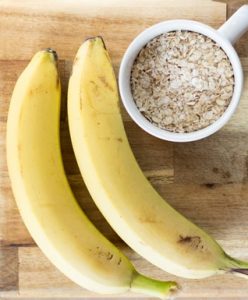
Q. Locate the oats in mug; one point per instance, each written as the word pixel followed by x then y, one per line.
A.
pixel 182 81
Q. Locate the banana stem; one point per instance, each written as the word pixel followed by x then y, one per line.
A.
pixel 152 287
pixel 237 267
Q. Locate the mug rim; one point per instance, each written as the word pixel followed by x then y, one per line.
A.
pixel 125 72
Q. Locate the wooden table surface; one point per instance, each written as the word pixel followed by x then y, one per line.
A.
pixel 206 180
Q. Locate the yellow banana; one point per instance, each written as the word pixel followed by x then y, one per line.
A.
pixel 144 220
pixel 44 197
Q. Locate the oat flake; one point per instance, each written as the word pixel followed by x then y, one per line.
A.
pixel 182 81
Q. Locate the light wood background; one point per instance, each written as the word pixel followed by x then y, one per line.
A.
pixel 206 180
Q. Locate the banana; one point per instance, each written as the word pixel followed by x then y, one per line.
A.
pixel 45 200
pixel 145 221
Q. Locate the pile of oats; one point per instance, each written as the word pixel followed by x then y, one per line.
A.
pixel 182 81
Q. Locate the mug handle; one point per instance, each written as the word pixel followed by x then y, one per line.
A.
pixel 236 25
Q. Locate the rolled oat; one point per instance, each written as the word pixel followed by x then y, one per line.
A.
pixel 182 81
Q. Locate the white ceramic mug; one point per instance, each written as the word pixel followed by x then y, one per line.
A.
pixel 225 36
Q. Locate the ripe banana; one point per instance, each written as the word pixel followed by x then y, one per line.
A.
pixel 44 197
pixel 145 221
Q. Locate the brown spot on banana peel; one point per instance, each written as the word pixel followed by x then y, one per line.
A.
pixel 148 219
pixel 95 87
pixel 105 83
pixel 104 254
pixel 110 256
pixel 107 138
pixel 191 241
pixel 96 91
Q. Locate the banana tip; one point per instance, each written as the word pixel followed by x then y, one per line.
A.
pixel 53 52
pixel 96 37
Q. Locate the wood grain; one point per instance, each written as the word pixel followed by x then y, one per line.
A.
pixel 207 180
pixel 65 24
pixel 9 279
